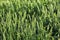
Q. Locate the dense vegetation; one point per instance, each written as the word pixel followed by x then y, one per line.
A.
pixel 30 20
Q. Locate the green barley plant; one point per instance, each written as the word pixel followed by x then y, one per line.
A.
pixel 29 20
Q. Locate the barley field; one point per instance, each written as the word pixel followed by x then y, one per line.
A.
pixel 29 19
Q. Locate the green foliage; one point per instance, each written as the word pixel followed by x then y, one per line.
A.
pixel 29 20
